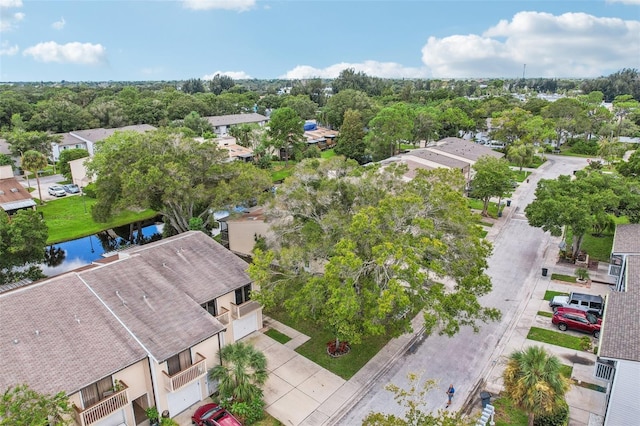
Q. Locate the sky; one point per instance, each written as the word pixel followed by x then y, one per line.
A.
pixel 123 40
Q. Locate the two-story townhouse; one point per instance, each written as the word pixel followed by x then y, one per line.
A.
pixel 153 320
pixel 222 123
pixel 619 343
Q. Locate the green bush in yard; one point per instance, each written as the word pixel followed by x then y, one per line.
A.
pixel 559 418
pixel 90 190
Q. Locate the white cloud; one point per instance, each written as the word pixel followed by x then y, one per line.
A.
pixel 10 3
pixel 236 75
pixel 58 25
pixel 152 70
pixel 239 5
pixel 568 45
pixel 7 50
pixel 8 23
pixel 371 68
pixel 73 53
pixel 624 1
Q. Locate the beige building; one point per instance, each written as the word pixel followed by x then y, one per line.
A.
pixel 13 196
pixel 141 329
pixel 239 232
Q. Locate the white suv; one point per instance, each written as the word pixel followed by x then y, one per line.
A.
pixel 57 191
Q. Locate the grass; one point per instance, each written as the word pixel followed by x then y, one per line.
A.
pixel 67 220
pixel 268 420
pixel 488 224
pixel 550 294
pixel 562 277
pixel 598 248
pixel 554 338
pixel 507 414
pixel 328 153
pixel 520 176
pixel 316 348
pixel 566 370
pixel 277 336
pixel 483 233
pixel 476 204
pixel 545 314
pixel 590 386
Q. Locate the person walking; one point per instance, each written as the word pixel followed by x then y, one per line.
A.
pixel 450 393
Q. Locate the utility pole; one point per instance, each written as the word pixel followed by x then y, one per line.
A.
pixel 523 70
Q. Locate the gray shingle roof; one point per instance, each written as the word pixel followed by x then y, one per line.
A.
pixel 465 149
pixel 56 336
pixel 95 135
pixel 427 154
pixel 620 338
pixel 226 120
pixel 157 289
pixel 627 239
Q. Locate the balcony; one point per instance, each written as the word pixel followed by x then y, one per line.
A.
pixel 239 311
pixel 224 316
pixel 186 376
pixel 103 408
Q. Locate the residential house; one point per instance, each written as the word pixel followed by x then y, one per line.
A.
pixel 239 232
pixel 230 144
pixel 13 196
pixel 86 139
pixel 139 330
pixel 619 343
pixel 222 123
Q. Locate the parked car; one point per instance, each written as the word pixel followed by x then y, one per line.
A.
pixel 213 415
pixel 585 302
pixel 71 188
pixel 575 319
pixel 57 191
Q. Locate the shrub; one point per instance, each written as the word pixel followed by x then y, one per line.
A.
pixel 90 190
pixel 585 343
pixel 585 147
pixel 249 412
pixel 559 418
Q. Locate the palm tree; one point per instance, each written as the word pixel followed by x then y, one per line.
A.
pixel 242 372
pixel 33 161
pixel 534 383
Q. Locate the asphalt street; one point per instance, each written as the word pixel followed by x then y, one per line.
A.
pixel 464 359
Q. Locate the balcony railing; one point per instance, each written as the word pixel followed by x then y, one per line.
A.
pixel 103 408
pixel 186 376
pixel 239 311
pixel 224 316
pixel 604 370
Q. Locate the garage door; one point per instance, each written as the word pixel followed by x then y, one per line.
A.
pixel 115 419
pixel 184 398
pixel 245 326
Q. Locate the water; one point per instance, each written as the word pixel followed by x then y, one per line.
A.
pixel 73 254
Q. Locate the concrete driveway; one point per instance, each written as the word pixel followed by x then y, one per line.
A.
pixel 45 183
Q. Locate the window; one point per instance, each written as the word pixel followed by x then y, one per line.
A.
pixel 243 294
pixel 179 362
pixel 96 392
pixel 210 307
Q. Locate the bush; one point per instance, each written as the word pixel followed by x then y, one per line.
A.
pixel 559 418
pixel 585 147
pixel 249 412
pixel 585 343
pixel 90 190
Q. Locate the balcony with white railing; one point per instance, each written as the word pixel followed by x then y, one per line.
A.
pixel 186 376
pixel 239 311
pixel 98 411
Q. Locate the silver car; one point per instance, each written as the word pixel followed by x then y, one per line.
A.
pixel 57 190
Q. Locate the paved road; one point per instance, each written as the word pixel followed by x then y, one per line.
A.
pixel 465 358
pixel 45 183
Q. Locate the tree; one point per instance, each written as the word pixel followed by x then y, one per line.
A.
pixel 6 160
pixel 193 85
pixel 69 155
pixel 631 167
pixel 60 115
pixel 453 120
pixel 22 406
pixel 413 399
pixel 220 83
pixel 521 154
pixel 623 105
pixel 569 116
pixel 388 129
pixel 351 142
pixel 199 125
pixel 21 141
pixel 510 125
pixel 492 179
pixel 610 150
pixel 579 204
pixel 426 125
pixel 358 250
pixel 338 104
pixel 301 104
pixel 34 161
pixel 534 382
pixel 247 134
pixel 22 244
pixel 172 174
pixel 241 373
pixel 286 130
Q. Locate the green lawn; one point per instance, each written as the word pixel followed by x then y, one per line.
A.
pixel 67 220
pixel 555 338
pixel 562 277
pixel 545 314
pixel 476 204
pixel 598 248
pixel 549 294
pixel 316 348
pixel 566 370
pixel 507 414
pixel 277 336
pixel 328 153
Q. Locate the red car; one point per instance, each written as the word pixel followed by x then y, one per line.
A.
pixel 213 415
pixel 576 319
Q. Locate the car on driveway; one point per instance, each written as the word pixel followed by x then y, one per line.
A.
pixel 71 188
pixel 57 190
pixel 213 415
pixel 576 319
pixel 585 302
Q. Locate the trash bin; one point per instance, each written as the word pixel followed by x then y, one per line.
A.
pixel 486 399
pixel 500 214
pixel 508 203
pixel 544 272
pixel 165 414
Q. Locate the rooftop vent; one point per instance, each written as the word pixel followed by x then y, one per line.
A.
pixel 14 189
pixel 1 192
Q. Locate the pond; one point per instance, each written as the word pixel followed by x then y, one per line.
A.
pixel 69 255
